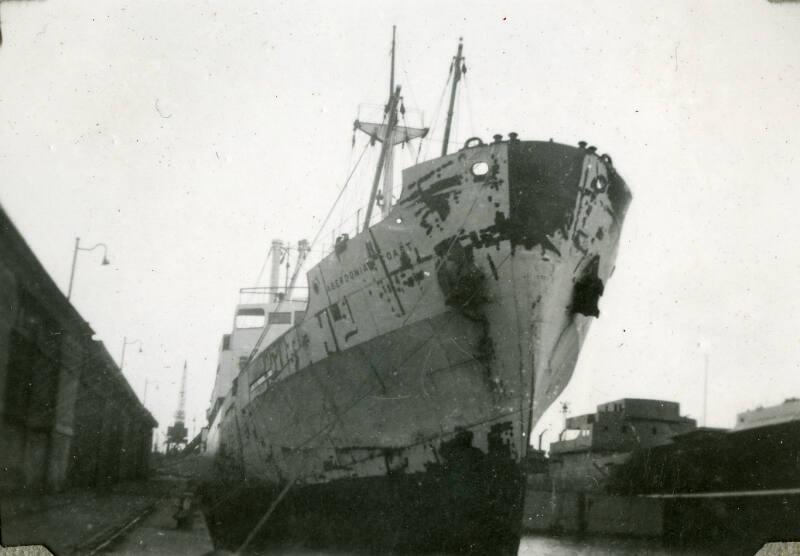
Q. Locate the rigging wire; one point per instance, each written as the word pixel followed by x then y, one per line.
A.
pixel 269 252
pixel 458 124
pixel 264 332
pixel 265 517
pixel 453 144
pixel 468 102
pixel 339 196
pixel 412 97
pixel 435 119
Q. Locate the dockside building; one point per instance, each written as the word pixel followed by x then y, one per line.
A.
pixel 68 417
pixel 605 439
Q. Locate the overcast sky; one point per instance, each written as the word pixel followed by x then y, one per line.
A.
pixel 188 134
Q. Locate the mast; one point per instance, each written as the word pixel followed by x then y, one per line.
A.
pixel 457 61
pixel 385 147
pixel 388 171
pixel 391 74
pixel 388 134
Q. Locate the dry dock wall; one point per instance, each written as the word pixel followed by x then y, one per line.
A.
pixel 624 515
pixel 600 514
pixel 68 417
pixel 552 512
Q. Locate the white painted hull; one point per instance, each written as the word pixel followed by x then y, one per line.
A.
pixel 455 321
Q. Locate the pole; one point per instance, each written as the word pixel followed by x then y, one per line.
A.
pixel 122 359
pixel 72 272
pixel 286 278
pixel 144 397
pixel 705 390
pixel 391 75
pixel 456 78
pixel 385 146
pixel 388 181
pixel 388 172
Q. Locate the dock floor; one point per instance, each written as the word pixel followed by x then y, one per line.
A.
pixel 132 518
pixel 157 534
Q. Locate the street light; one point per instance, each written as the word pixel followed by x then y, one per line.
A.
pixel 75 260
pixel 147 382
pixel 126 343
pixel 144 397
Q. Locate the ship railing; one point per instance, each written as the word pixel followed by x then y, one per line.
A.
pixel 267 294
pixel 349 226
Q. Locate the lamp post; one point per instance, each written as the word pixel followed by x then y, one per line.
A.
pixel 147 383
pixel 144 397
pixel 126 343
pixel 75 260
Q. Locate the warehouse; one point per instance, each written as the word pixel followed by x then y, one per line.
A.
pixel 68 417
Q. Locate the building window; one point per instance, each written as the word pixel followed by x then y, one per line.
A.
pixel 249 318
pixel 226 342
pixel 280 318
pixel 655 431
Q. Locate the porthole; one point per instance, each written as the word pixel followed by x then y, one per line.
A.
pixel 480 169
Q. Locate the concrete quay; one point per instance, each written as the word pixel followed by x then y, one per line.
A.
pixel 160 533
pixel 132 518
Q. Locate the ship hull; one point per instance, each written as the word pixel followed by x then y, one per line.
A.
pixel 398 413
pixel 472 506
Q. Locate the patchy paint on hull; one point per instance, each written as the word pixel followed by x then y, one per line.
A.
pixel 460 315
pixel 467 503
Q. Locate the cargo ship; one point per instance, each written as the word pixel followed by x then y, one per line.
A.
pixel 390 410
